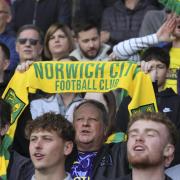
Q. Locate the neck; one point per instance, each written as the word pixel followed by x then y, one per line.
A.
pixel 51 174
pixel 58 57
pixel 2 29
pixel 176 43
pixel 154 173
pixel 131 4
pixel 84 147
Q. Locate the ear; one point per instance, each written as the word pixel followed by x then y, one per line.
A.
pixel 168 154
pixel 6 64
pixel 17 48
pixel 4 130
pixel 9 18
pixel 68 146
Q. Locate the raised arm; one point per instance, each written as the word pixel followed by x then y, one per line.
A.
pixel 129 49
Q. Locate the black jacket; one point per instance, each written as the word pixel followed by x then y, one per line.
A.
pixel 110 162
pixel 43 13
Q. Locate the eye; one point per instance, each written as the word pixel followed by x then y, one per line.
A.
pixel 51 37
pixel 33 139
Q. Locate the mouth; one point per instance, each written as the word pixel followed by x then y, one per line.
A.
pixel 27 51
pixel 139 148
pixel 38 156
pixel 85 132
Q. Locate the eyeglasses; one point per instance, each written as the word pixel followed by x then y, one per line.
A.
pixel 32 42
pixel 3 12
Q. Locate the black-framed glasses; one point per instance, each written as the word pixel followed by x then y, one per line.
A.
pixel 31 41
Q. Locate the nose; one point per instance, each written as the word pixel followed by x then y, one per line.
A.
pixel 140 138
pixel 38 144
pixel 57 39
pixel 27 43
pixel 85 122
pixel 91 44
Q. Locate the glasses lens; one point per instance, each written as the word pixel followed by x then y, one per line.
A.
pixel 32 42
pixel 22 41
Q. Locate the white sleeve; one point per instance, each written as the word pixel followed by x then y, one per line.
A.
pixel 128 49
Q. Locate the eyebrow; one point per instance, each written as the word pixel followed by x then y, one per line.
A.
pixel 146 130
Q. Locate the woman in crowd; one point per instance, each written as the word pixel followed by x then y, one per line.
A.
pixel 58 42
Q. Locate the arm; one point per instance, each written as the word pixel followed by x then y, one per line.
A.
pixel 129 49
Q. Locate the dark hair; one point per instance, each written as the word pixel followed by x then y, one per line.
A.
pixel 51 30
pixel 5 113
pixel 33 27
pixel 98 105
pixel 5 50
pixel 51 122
pixel 85 26
pixel 159 118
pixel 157 54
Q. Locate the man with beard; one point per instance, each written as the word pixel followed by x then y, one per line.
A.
pixel 150 146
pixel 89 47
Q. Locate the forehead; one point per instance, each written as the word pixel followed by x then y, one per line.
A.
pixel 87 109
pixel 43 132
pixel 143 125
pixel 88 34
pixel 29 33
pixel 156 62
pixel 3 6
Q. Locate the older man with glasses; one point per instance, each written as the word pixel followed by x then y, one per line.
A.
pixel 29 43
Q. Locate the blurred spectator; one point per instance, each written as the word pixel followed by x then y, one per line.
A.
pixel 89 47
pixel 29 43
pixel 152 21
pixel 58 42
pixel 41 13
pixel 90 9
pixel 92 159
pixel 123 20
pixel 7 36
pixel 51 141
pixel 5 74
pixel 29 46
pixel 150 146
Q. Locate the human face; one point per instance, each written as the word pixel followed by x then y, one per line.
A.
pixel 158 71
pixel 48 150
pixel 3 62
pixel 146 143
pixel 89 43
pixel 176 32
pixel 58 44
pixel 89 127
pixel 28 51
pixel 5 16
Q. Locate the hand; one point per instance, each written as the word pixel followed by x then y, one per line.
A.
pixel 147 67
pixel 112 56
pixel 24 66
pixel 164 33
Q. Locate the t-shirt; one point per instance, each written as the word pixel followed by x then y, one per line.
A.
pixel 83 166
pixel 174 65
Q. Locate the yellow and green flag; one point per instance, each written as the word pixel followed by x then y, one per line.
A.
pixel 59 77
